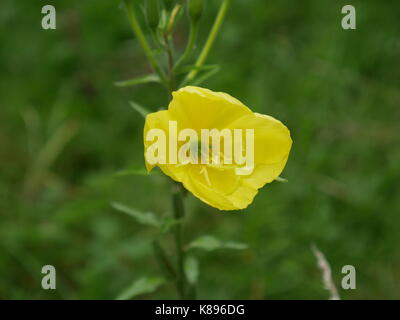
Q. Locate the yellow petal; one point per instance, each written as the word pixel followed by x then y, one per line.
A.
pixel 238 198
pixel 200 108
pixel 160 120
pixel 272 141
pixel 222 181
pixel 220 186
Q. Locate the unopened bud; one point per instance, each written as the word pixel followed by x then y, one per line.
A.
pixel 152 13
pixel 195 9
pixel 169 4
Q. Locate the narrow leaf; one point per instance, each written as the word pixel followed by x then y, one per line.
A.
pixel 146 218
pixel 200 79
pixel 141 286
pixel 138 80
pixel 203 77
pixel 163 21
pixel 174 17
pixel 234 245
pixel 188 68
pixel 139 109
pixel 211 243
pixel 191 268
pixel 168 222
pixel 280 179
pixel 205 242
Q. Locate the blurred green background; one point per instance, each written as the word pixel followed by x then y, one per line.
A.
pixel 65 131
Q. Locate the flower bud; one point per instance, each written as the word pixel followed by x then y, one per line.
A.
pixel 152 13
pixel 169 4
pixel 195 9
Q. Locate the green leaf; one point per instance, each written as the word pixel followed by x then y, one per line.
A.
pixel 138 80
pixel 205 242
pixel 139 109
pixel 188 68
pixel 211 243
pixel 152 13
pixel 162 25
pixel 146 218
pixel 174 18
pixel 234 245
pixel 202 77
pixel 191 268
pixel 141 286
pixel 169 222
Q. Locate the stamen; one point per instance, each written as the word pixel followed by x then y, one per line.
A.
pixel 204 170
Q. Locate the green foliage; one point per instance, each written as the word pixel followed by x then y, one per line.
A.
pixel 146 218
pixel 138 80
pixel 195 9
pixel 152 13
pixel 142 286
pixel 139 109
pixel 336 90
pixel 210 243
pixel 188 68
pixel 192 270
pixel 168 223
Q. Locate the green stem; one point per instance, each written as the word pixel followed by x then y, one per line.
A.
pixel 210 40
pixel 179 213
pixel 171 74
pixel 137 30
pixel 177 195
pixel 194 28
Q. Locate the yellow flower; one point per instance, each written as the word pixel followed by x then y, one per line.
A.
pixel 222 180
